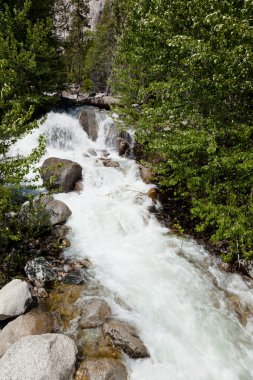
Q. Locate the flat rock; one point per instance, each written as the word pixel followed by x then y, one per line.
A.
pixel 40 270
pixel 102 369
pixel 39 357
pixel 58 173
pixel 125 337
pixel 35 322
pixel 94 312
pixel 15 297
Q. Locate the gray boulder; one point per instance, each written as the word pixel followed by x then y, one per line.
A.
pixel 45 211
pixel 125 337
pixel 15 297
pixel 40 271
pixel 58 173
pixel 88 121
pixel 102 369
pixel 94 313
pixel 40 357
pixel 35 322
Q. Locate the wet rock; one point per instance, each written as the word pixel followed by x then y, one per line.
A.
pixel 125 337
pixel 102 369
pixel 40 357
pixel 88 121
pixel 45 211
pixel 152 193
pixel 94 312
pixel 123 147
pixel 74 278
pixel 146 174
pixel 227 267
pixel 62 300
pixel 60 231
pixel 243 312
pixel 92 344
pixel 79 186
pixel 58 173
pixel 92 152
pixel 35 322
pixel 126 136
pixel 110 163
pixel 40 270
pixel 15 298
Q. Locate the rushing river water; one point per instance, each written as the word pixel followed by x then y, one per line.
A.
pixel 174 292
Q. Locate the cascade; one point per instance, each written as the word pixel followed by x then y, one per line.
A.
pixel 172 290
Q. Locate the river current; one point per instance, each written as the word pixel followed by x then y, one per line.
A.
pixel 170 287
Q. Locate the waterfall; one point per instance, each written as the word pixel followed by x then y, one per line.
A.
pixel 173 290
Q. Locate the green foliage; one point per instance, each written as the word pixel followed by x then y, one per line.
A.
pixel 98 61
pixel 29 66
pixel 72 22
pixel 189 67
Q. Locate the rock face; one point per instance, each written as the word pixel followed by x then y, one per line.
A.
pixel 39 357
pixel 58 173
pixel 88 121
pixel 15 297
pixel 35 322
pixel 146 174
pixel 125 337
pixel 123 147
pixel 40 270
pixel 94 312
pixel 102 369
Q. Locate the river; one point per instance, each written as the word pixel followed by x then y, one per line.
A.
pixel 173 291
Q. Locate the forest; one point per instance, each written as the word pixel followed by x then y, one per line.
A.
pixel 183 73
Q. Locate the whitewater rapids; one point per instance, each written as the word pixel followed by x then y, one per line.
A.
pixel 175 294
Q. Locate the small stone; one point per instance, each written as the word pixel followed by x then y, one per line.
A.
pixel 94 312
pixel 125 337
pixel 74 278
pixel 152 193
pixel 41 270
pixel 102 369
pixel 146 174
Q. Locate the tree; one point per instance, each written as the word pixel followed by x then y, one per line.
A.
pixel 98 60
pixel 73 17
pixel 189 66
pixel 29 66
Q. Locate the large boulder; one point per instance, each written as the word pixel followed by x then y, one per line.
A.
pixel 35 322
pixel 102 369
pixel 125 337
pixel 15 298
pixel 58 173
pixel 88 121
pixel 45 211
pixel 40 271
pixel 94 313
pixel 40 357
